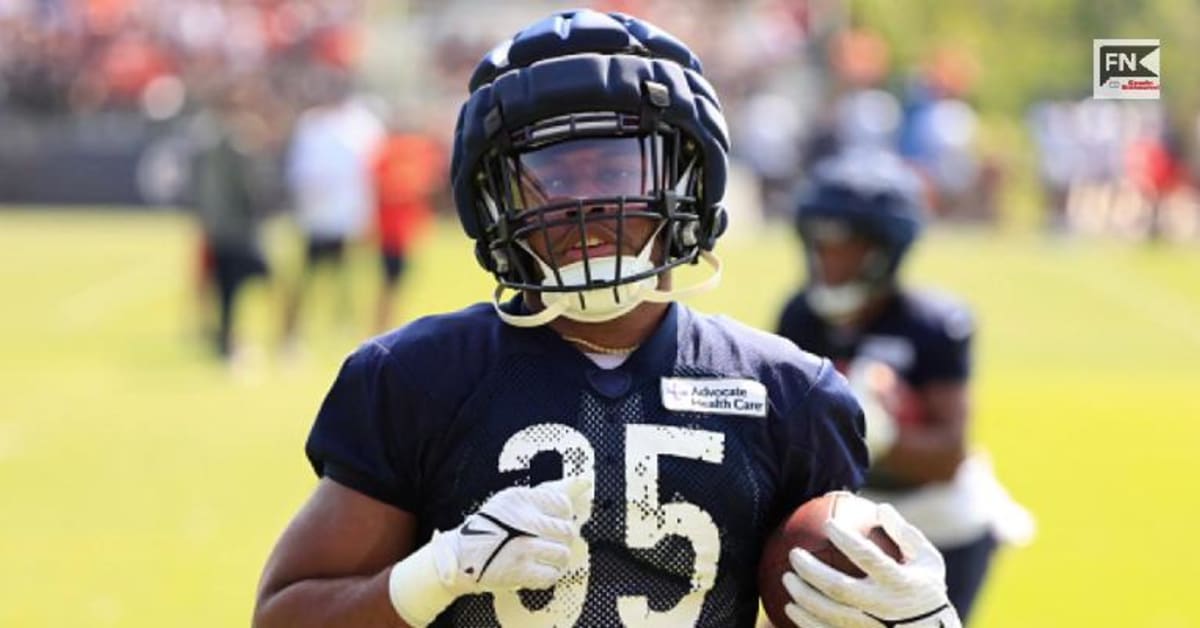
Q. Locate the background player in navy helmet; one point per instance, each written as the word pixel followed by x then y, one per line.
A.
pixel 906 353
pixel 589 452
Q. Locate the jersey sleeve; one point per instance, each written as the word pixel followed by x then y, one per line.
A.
pixel 829 453
pixel 354 439
pixel 947 356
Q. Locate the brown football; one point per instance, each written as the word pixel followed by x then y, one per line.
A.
pixel 804 529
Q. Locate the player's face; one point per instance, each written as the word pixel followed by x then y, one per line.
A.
pixel 596 171
pixel 841 260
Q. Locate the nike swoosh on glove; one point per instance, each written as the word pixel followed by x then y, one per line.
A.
pixel 519 539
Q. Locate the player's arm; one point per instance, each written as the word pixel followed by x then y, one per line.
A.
pixel 336 563
pixel 331 566
pixel 931 451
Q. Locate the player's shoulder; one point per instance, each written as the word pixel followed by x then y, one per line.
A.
pixel 732 347
pixel 453 345
pixel 474 321
pixel 937 313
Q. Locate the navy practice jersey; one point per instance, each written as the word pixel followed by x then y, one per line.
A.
pixel 925 337
pixel 697 445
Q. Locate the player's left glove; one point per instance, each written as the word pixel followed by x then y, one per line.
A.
pixel 911 594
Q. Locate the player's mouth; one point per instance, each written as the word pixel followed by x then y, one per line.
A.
pixel 595 246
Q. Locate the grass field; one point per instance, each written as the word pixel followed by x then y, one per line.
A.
pixel 143 486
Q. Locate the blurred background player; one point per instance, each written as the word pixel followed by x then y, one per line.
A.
pixel 226 190
pixel 407 171
pixel 328 178
pixel 906 352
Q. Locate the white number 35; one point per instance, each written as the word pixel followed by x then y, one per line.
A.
pixel 647 522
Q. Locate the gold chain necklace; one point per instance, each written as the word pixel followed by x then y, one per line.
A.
pixel 592 347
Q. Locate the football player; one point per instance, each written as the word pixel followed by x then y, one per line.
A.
pixel 588 452
pixel 906 352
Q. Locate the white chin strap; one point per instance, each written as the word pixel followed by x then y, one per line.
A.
pixel 604 304
pixel 838 304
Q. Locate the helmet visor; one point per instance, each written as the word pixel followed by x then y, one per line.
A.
pixel 585 169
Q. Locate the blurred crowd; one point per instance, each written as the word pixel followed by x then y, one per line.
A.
pixel 69 56
pixel 338 113
pixel 798 80
pixel 1114 167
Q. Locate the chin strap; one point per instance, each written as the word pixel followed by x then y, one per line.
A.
pixel 563 307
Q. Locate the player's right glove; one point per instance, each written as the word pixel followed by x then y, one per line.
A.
pixel 519 539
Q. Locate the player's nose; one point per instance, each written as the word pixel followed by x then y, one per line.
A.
pixel 570 224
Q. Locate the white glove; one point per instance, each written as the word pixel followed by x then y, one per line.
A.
pixel 908 594
pixel 869 381
pixel 519 539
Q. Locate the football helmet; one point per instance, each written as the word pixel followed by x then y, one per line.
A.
pixel 865 192
pixel 590 157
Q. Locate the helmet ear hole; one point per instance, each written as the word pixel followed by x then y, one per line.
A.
pixel 492 260
pixel 720 222
pixel 500 262
pixel 684 237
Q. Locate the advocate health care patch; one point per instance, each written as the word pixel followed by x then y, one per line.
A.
pixel 741 397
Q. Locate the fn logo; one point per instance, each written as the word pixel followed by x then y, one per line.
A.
pixel 1125 69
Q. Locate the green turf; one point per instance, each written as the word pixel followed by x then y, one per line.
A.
pixel 144 486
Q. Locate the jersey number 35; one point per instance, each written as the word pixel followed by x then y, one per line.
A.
pixel 648 521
